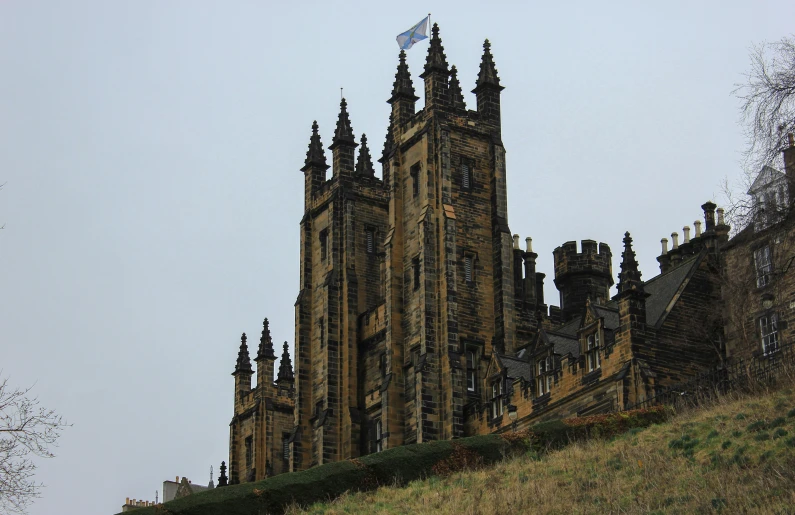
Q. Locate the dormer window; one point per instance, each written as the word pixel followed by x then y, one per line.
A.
pixel 497 398
pixel 592 352
pixel 544 376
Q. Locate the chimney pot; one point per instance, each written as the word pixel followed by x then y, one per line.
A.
pixel 675 237
pixel 697 223
pixel 720 216
pixel 664 242
pixel 516 241
pixel 529 243
pixel 686 230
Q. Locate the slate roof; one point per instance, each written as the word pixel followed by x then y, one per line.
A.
pixel 610 315
pixel 663 288
pixel 517 368
pixel 564 345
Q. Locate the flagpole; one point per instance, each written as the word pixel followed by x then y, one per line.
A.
pixel 429 19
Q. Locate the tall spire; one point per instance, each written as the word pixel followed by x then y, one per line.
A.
pixel 436 60
pixel 403 87
pixel 285 366
pixel 344 132
pixel 629 278
pixel 364 166
pixel 265 343
pixel 389 142
pixel 243 365
pixel 487 78
pixel 456 96
pixel 315 155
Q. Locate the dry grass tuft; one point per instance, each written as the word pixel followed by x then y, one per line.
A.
pixel 735 456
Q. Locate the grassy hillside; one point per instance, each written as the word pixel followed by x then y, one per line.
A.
pixel 737 456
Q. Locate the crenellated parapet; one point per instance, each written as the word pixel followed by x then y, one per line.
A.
pixel 582 275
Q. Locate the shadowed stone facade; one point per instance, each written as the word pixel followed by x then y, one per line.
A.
pixel 420 318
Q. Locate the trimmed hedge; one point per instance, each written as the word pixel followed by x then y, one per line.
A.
pixel 400 464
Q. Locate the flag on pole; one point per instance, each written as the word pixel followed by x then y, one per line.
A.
pixel 416 33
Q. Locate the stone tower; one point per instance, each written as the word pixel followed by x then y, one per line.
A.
pixel 408 281
pixel 580 276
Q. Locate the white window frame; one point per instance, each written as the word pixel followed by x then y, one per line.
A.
pixel 763 264
pixel 768 331
pixel 497 404
pixel 378 435
pixel 471 371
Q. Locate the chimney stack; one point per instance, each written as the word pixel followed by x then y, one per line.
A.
pixel 675 238
pixel 516 241
pixel 664 242
pixel 686 231
pixel 697 223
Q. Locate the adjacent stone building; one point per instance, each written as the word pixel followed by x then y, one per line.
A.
pixel 420 318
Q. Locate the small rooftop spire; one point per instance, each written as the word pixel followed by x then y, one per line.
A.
pixel 389 142
pixel 315 155
pixel 629 278
pixel 436 60
pixel 403 87
pixel 265 343
pixel 344 131
pixel 243 364
pixel 488 73
pixel 222 479
pixel 285 366
pixel 364 166
pixel 456 96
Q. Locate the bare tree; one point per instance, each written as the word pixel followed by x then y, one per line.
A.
pixel 26 430
pixel 768 115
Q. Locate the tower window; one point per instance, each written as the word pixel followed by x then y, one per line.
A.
pixel 369 236
pixel 286 446
pixel 323 244
pixel 415 264
pixel 471 371
pixel 768 329
pixel 378 443
pixel 322 325
pixel 468 268
pixel 415 180
pixel 763 265
pixel 249 452
pixel 467 177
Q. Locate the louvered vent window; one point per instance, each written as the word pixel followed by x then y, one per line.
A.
pixel 370 237
pixel 466 176
pixel 468 269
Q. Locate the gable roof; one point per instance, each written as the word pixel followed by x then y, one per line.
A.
pixel 663 288
pixel 766 176
pixel 517 368
pixel 610 315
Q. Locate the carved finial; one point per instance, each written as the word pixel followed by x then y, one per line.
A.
pixel 315 155
pixel 344 131
pixel 265 342
pixel 222 479
pixel 285 366
pixel 629 278
pixel 243 364
pixel 436 60
pixel 403 87
pixel 364 166
pixel 456 96
pixel 487 77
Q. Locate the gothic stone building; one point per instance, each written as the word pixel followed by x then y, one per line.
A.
pixel 420 318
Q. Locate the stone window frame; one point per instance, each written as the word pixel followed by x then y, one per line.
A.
pixel 471 356
pixel 323 236
pixel 498 397
pixel 286 447
pixel 415 172
pixel 321 323
pixel 769 333
pixel 763 264
pixel 592 348
pixel 545 375
pixel 369 240
pixel 467 170
pixel 470 263
pixel 249 448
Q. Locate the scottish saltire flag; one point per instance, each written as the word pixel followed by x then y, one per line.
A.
pixel 416 33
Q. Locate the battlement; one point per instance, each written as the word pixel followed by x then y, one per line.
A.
pixel 583 275
pixel 593 259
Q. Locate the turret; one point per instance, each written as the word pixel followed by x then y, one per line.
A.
pixel 436 73
pixel 265 357
pixel 530 274
pixel 456 95
pixel 314 166
pixel 364 166
pixel 488 88
pixel 583 275
pixel 286 377
pixel 243 371
pixel 403 99
pixel 344 146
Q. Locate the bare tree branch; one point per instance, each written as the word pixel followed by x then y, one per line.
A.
pixel 26 430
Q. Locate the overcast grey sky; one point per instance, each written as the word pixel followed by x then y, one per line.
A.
pixel 151 154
